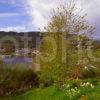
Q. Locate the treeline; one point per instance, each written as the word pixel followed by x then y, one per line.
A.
pixel 10 37
pixel 34 39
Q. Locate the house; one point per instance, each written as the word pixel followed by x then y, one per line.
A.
pixel 23 52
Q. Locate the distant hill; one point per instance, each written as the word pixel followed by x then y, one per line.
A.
pixel 21 37
pixel 35 38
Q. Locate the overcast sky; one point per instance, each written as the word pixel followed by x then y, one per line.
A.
pixel 30 15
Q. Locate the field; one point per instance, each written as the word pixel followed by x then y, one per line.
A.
pixel 52 93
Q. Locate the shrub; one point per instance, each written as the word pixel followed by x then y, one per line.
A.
pixel 94 81
pixel 1 63
pixel 13 80
pixel 77 88
pixel 89 73
pixel 72 83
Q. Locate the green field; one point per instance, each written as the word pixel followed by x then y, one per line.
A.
pixel 52 93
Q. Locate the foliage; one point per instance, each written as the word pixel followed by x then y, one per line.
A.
pixel 72 92
pixel 8 47
pixel 49 75
pixel 78 88
pixel 65 28
pixel 95 81
pixel 72 83
pixel 53 93
pixel 88 73
pixel 49 93
pixel 14 80
pixel 1 62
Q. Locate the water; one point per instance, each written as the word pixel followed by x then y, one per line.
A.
pixel 17 60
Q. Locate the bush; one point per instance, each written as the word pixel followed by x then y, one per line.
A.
pixel 13 80
pixel 72 83
pixel 1 63
pixel 89 73
pixel 94 81
pixel 75 89
pixel 45 79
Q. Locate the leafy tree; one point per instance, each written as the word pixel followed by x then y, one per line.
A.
pixel 8 47
pixel 69 29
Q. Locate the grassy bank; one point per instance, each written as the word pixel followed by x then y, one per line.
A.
pixel 52 93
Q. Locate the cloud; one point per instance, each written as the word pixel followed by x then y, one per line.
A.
pixel 92 8
pixel 39 10
pixel 9 14
pixel 14 28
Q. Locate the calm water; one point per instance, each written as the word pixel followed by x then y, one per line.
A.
pixel 16 60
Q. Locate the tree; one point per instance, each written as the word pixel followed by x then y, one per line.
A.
pixel 67 26
pixel 8 47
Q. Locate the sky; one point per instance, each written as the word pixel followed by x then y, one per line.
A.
pixel 30 15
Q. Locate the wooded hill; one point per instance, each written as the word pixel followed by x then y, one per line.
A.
pixel 34 38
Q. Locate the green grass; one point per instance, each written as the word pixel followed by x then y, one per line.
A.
pixel 52 93
pixel 91 94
